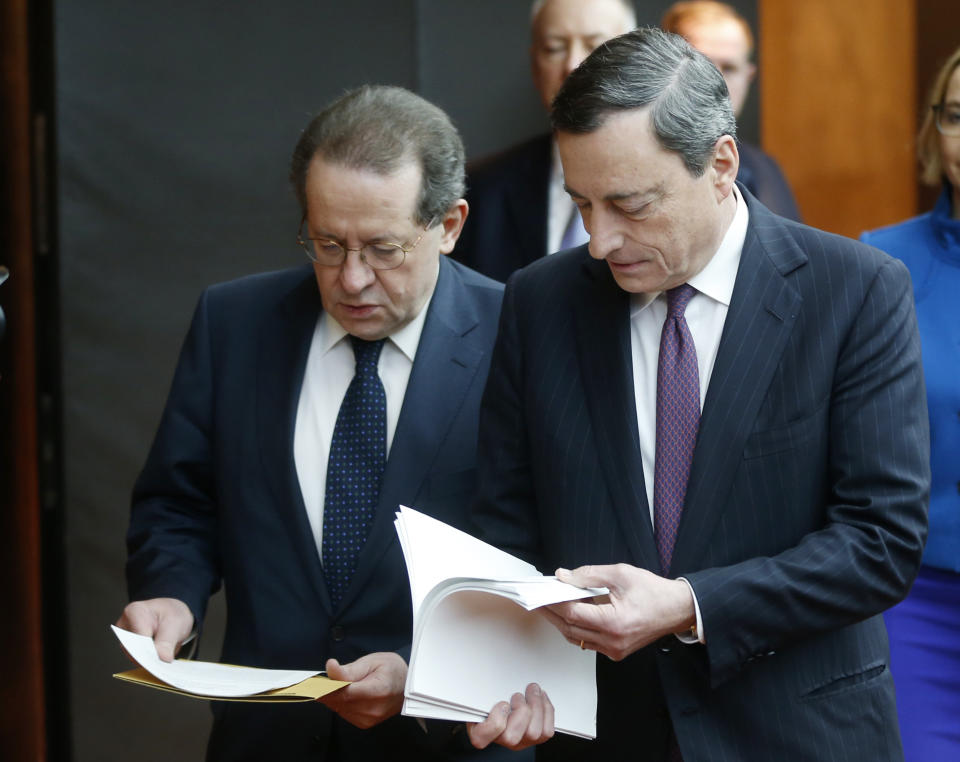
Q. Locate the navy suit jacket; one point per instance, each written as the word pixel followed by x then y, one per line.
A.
pixel 219 501
pixel 506 227
pixel 762 176
pixel 805 512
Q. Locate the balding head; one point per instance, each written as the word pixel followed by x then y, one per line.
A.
pixel 564 32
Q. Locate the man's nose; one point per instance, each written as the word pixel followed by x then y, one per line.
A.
pixel 604 237
pixel 355 274
pixel 575 55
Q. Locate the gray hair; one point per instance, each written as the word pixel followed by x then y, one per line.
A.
pixel 380 128
pixel 687 97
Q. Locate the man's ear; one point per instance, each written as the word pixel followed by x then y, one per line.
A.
pixel 452 223
pixel 725 165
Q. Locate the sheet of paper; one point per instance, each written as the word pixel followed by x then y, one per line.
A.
pixel 435 551
pixel 513 647
pixel 206 678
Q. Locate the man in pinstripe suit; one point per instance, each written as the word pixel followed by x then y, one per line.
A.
pixel 757 636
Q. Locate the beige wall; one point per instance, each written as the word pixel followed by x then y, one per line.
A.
pixel 838 107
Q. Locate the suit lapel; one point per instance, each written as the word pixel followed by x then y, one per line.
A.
pixel 762 313
pixel 603 346
pixel 284 344
pixel 444 367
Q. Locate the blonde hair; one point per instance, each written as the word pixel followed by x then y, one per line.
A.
pixel 679 15
pixel 928 140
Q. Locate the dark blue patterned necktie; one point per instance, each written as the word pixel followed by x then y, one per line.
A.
pixel 678 420
pixel 358 452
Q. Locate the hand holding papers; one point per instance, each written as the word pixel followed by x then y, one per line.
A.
pixel 476 639
pixel 219 681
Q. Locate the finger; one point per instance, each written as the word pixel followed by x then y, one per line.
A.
pixel 534 700
pixel 139 618
pixel 337 671
pixel 482 734
pixel 590 576
pixel 575 617
pixel 548 726
pixel 337 699
pixel 168 638
pixel 517 723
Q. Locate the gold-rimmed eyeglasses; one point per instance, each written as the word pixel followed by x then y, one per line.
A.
pixel 947 118
pixel 380 255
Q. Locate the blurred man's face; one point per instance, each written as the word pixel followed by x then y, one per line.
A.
pixel 725 43
pixel 565 32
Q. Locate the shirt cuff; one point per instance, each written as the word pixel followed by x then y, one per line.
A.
pixel 695 634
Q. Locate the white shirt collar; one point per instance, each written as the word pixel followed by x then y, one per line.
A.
pixel 719 275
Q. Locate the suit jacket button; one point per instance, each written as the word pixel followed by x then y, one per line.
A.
pixel 337 633
pixel 664 649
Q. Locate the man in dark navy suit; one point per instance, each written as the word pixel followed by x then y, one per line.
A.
pixel 724 36
pixel 307 404
pixel 519 211
pixel 718 414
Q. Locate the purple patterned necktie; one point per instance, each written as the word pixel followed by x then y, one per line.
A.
pixel 678 419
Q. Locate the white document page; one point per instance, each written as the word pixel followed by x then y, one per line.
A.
pixel 508 648
pixel 475 641
pixel 435 551
pixel 206 678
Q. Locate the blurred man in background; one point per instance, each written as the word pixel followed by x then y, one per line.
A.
pixel 519 210
pixel 724 36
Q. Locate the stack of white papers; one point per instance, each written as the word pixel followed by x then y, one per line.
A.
pixel 476 638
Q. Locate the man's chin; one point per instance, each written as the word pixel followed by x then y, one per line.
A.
pixel 367 327
pixel 636 279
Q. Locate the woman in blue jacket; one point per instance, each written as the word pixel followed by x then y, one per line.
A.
pixel 925 628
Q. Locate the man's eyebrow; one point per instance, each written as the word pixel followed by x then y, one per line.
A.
pixel 622 196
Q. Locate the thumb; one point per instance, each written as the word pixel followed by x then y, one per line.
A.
pixel 586 576
pixel 167 639
pixel 338 671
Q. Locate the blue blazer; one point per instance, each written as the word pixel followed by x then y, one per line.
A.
pixel 929 245
pixel 218 501
pixel 805 513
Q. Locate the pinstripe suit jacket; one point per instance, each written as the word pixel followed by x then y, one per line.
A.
pixel 805 513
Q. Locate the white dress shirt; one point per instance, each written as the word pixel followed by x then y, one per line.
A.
pixel 330 368
pixel 705 315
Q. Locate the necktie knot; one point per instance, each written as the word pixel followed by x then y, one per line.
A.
pixel 366 354
pixel 678 298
